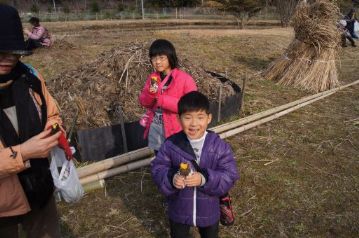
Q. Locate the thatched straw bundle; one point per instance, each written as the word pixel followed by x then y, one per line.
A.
pixel 309 62
pixel 115 79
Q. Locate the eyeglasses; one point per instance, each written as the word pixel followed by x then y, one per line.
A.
pixel 161 58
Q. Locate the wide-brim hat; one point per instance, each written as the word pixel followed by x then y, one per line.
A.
pixel 11 36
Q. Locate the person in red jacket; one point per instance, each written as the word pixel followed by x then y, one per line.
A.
pixel 161 93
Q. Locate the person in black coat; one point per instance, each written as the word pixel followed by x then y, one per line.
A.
pixel 351 19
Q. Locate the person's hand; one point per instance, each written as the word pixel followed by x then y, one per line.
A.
pixel 193 180
pixel 178 181
pixel 40 145
pixel 153 89
pixel 26 31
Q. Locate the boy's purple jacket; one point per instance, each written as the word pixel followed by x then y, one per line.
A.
pixel 217 166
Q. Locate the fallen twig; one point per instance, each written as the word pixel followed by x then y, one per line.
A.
pixel 271 162
pixel 246 213
pixel 322 171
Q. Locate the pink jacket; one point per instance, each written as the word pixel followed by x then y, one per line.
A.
pixel 167 99
pixel 40 33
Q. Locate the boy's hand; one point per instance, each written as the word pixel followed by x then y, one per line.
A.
pixel 178 181
pixel 193 180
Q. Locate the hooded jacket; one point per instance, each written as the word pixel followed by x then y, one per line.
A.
pixel 195 206
pixel 166 98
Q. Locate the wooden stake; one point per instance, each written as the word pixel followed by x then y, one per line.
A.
pixel 123 132
pixel 220 103
pixel 242 96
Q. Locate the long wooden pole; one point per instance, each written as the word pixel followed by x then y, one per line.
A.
pixel 116 171
pixel 223 134
pixel 145 162
pixel 113 162
pixel 145 152
pixel 243 121
pixel 269 118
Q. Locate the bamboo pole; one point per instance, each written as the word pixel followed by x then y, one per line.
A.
pixel 116 171
pixel 113 162
pixel 224 132
pixel 145 152
pixel 269 118
pixel 145 162
pixel 243 121
pixel 284 112
pixel 94 185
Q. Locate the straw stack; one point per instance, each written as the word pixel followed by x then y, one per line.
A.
pixel 310 61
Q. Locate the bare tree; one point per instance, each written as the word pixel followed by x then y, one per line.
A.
pixel 242 10
pixel 54 4
pixel 285 9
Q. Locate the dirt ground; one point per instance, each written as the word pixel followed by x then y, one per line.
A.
pixel 299 173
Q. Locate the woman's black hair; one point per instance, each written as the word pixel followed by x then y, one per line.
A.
pixel 164 47
pixel 34 21
pixel 192 102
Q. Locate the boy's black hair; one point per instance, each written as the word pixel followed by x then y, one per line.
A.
pixel 193 101
pixel 164 47
pixel 34 21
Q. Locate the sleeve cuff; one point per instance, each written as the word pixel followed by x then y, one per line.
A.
pixel 203 180
pixel 170 175
pixel 18 157
pixel 204 173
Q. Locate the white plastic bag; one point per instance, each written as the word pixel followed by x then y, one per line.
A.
pixel 67 183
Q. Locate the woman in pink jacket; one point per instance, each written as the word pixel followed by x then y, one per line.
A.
pixel 161 93
pixel 38 36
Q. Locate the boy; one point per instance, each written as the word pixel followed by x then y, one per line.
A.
pixel 193 200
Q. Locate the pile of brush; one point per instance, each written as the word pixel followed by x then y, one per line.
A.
pixel 114 79
pixel 310 61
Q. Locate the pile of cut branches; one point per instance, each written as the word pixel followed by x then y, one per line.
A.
pixel 114 79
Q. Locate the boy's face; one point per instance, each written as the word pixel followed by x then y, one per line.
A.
pixel 195 123
pixel 7 62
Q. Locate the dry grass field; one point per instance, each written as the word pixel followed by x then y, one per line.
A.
pixel 310 188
